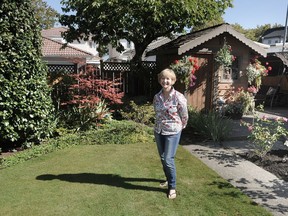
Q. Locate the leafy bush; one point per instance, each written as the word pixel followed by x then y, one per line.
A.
pixel 26 110
pixel 142 113
pixel 211 125
pixel 85 118
pixel 265 133
pixel 234 110
pixel 239 101
pixel 120 132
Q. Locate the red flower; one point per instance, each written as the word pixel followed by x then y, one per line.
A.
pixel 190 59
pixel 176 61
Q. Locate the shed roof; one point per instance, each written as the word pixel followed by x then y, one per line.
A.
pixel 283 56
pixel 191 40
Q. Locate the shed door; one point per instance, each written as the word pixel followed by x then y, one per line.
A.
pixel 200 95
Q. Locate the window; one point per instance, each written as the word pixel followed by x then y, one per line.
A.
pixel 231 73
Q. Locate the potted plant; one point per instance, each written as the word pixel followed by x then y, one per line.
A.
pixel 233 110
pixel 185 69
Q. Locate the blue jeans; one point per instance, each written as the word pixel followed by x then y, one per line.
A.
pixel 167 146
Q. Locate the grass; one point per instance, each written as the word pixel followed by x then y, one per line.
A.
pixel 116 180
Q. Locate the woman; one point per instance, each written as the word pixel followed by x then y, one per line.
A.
pixel 171 117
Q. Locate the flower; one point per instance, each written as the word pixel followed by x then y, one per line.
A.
pixel 224 55
pixel 265 132
pixel 255 71
pixel 252 89
pixel 185 69
pixel 240 96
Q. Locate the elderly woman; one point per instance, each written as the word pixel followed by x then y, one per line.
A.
pixel 171 117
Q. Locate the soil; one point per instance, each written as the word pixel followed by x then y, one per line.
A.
pixel 276 162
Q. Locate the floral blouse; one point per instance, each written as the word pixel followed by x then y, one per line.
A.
pixel 172 114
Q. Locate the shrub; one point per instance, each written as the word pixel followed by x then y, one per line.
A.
pixel 121 132
pixel 265 133
pixel 143 113
pixel 91 97
pixel 234 110
pixel 26 110
pixel 211 125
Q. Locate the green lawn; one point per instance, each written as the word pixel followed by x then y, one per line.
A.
pixel 116 180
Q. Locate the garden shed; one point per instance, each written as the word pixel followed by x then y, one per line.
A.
pixel 212 80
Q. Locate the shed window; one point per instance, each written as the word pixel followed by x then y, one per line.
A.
pixel 231 73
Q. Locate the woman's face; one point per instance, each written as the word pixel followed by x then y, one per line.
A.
pixel 166 82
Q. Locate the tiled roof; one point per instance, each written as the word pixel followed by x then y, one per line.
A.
pixel 54 48
pixel 53 32
pixel 189 41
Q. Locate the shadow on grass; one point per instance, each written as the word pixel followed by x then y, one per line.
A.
pixel 104 179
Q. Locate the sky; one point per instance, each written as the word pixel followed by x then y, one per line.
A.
pixel 248 13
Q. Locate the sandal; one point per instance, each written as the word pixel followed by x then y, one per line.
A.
pixel 163 184
pixel 172 194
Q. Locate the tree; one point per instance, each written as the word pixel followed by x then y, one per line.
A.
pixel 46 15
pixel 208 23
pixel 139 22
pixel 254 33
pixel 26 111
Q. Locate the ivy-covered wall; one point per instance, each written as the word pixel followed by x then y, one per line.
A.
pixel 26 111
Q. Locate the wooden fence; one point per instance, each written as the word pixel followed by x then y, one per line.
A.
pixel 138 79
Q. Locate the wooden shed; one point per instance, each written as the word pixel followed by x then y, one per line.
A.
pixel 212 81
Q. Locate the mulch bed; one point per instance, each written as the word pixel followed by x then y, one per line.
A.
pixel 276 162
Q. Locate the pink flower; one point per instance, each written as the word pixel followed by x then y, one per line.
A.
pixel 264 117
pixel 269 68
pixel 250 127
pixel 252 89
pixel 285 119
pixel 277 118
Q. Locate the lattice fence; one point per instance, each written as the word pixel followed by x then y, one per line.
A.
pixel 137 79
pixel 66 68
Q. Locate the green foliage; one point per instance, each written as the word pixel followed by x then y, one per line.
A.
pixel 224 56
pixel 59 81
pixel 211 125
pixel 233 110
pixel 114 132
pixel 45 15
pixel 120 132
pixel 265 132
pixel 254 33
pixel 140 22
pixel 85 118
pixel 143 113
pixel 26 111
pixel 238 102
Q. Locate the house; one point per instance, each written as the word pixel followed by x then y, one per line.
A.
pixel 70 58
pixel 129 50
pixel 212 81
pixel 277 56
pixel 274 36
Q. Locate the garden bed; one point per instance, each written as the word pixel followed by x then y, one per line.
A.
pixel 276 162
